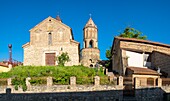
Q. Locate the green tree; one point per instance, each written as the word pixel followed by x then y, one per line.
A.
pixel 63 58
pixel 132 33
pixel 109 57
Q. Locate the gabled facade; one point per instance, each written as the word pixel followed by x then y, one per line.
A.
pixel 49 39
pixel 137 53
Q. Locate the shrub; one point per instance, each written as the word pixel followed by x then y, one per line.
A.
pixel 3 82
pixel 60 74
pixel 38 81
pixel 19 81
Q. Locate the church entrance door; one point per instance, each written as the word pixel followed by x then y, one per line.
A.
pixel 50 59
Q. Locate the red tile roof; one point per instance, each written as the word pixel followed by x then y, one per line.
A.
pixel 4 65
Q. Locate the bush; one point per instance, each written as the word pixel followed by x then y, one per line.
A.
pixel 104 80
pixel 3 82
pixel 61 80
pixel 60 74
pixel 38 81
pixel 85 80
pixel 19 81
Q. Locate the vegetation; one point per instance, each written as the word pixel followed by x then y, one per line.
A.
pixel 3 82
pixel 62 59
pixel 19 81
pixel 60 75
pixel 109 57
pixel 132 33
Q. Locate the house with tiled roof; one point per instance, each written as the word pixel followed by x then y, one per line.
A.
pixel 140 58
pixel 4 67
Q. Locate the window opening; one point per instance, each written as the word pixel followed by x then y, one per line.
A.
pixel 91 44
pixel 49 38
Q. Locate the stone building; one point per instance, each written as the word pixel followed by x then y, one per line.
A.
pixel 141 59
pixel 90 54
pixel 49 39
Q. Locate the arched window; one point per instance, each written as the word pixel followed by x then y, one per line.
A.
pixel 91 44
pixel 49 38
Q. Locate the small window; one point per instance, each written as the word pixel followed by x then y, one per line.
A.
pixel 61 49
pixel 50 20
pixel 49 39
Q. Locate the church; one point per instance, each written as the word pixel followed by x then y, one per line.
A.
pixel 51 37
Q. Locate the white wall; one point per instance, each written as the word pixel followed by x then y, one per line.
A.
pixel 134 59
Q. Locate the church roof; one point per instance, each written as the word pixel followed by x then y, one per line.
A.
pixel 90 23
pixel 56 20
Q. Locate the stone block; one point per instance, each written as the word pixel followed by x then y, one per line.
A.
pixel 9 83
pixel 159 82
pixel 73 81
pixel 49 81
pixel 96 80
pixel 28 84
pixel 120 81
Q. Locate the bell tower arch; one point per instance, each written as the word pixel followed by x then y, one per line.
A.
pixel 90 53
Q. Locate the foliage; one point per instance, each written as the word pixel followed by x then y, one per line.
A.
pixel 105 81
pixel 85 80
pixel 61 80
pixel 38 81
pixel 3 82
pixel 132 33
pixel 109 58
pixel 19 81
pixel 63 58
pixel 109 54
pixel 60 74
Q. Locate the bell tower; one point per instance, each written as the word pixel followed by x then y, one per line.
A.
pixel 90 53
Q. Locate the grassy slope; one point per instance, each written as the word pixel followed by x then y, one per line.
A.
pixel 61 75
pixel 41 71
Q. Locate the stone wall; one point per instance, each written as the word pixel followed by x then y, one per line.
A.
pixel 145 94
pixel 90 56
pixel 74 92
pixel 116 58
pixel 73 87
pixel 162 61
pixel 61 41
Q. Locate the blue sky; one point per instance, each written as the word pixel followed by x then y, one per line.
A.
pixel 17 17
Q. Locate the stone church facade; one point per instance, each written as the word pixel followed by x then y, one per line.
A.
pixel 50 38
